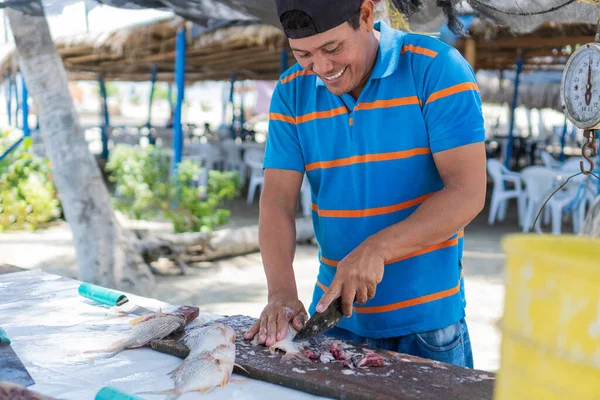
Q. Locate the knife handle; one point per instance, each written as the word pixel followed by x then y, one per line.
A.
pixel 3 337
pixel 110 393
pixel 102 295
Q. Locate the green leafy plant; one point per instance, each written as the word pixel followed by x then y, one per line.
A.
pixel 145 189
pixel 28 197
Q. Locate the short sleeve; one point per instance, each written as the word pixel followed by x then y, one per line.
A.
pixel 452 104
pixel 283 149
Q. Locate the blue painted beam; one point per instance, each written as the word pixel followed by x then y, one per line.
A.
pixel 8 82
pixel 180 49
pixel 511 139
pixel 153 72
pixel 231 93
pixel 563 141
pixel 242 109
pixel 16 87
pixel 105 118
pixel 25 97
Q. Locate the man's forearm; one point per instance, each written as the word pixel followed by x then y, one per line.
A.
pixel 436 220
pixel 277 240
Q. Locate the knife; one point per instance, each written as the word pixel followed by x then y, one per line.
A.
pixel 112 298
pixel 319 323
pixel 11 368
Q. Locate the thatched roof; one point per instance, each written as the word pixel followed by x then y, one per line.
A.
pixel 248 49
pixel 537 89
pixel 546 47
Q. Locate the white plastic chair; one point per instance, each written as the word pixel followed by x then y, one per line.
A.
pixel 208 154
pixel 572 165
pixel 500 195
pixel 540 182
pixel 254 158
pixel 585 198
pixel 549 161
pixel 232 159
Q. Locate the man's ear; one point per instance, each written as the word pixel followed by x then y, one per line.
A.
pixel 367 14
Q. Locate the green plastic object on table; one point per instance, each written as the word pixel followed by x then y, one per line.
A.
pixel 3 337
pixel 102 295
pixel 111 393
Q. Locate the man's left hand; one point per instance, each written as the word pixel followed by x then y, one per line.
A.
pixel 356 278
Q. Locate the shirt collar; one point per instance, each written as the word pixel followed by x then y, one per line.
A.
pixel 386 62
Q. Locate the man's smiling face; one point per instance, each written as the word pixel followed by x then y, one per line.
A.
pixel 337 56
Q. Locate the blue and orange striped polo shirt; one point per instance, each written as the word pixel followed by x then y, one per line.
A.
pixel 370 165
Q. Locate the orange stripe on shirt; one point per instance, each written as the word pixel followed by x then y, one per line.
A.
pixel 439 246
pixel 281 117
pixel 370 212
pixel 462 87
pixel 442 245
pixel 293 76
pixel 419 50
pixel 402 304
pixel 321 114
pixel 323 287
pixel 409 303
pixel 402 101
pixel 342 162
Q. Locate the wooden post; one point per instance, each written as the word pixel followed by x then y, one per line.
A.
pixel 471 52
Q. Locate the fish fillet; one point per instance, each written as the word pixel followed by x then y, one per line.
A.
pixel 291 349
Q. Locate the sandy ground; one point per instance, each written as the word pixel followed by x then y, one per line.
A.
pixel 238 286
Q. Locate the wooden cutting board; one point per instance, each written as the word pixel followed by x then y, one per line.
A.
pixel 402 377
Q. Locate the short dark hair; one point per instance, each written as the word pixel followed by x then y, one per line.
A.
pixel 296 19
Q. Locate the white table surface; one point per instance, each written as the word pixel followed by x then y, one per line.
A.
pixel 51 327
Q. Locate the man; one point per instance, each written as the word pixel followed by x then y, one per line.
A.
pixel 388 128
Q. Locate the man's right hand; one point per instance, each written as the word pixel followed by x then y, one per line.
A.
pixel 275 318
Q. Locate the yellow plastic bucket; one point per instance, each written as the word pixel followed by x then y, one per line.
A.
pixel 551 322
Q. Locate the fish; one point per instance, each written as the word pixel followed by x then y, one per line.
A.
pixel 11 391
pixel 202 371
pixel 208 337
pixel 291 349
pixel 209 364
pixel 153 327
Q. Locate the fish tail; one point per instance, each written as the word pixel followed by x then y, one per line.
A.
pixel 113 350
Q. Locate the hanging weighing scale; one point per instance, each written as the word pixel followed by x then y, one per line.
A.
pixel 580 94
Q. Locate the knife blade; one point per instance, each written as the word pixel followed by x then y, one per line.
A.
pixel 11 368
pixel 112 298
pixel 319 323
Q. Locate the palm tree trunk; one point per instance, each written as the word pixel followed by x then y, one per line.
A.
pixel 104 251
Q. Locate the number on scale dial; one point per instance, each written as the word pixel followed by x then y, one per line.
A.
pixel 581 87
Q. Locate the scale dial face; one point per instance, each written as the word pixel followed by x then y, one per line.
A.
pixel 580 88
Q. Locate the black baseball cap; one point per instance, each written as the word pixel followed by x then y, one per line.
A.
pixel 324 14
